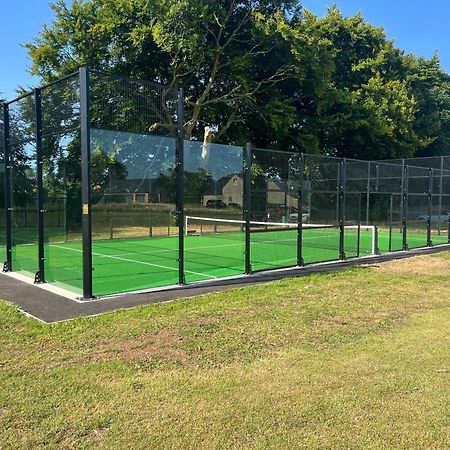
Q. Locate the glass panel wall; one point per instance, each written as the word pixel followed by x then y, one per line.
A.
pixel 23 185
pixel 61 168
pixel 214 186
pixel 133 185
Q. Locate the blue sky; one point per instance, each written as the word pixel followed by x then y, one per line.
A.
pixel 21 22
pixel 418 27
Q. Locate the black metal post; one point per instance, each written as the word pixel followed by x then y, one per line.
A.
pixel 448 230
pixel 405 207
pixel 7 266
pixel 391 207
pixel 430 207
pixel 86 183
pixel 358 243
pixel 342 182
pixel 301 169
pixel 180 186
pixel 40 275
pixel 441 182
pixel 247 206
pixel 338 198
pixel 368 193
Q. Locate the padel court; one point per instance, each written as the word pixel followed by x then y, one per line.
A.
pixel 103 193
pixel 124 265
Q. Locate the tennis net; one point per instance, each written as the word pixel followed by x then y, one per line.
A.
pixel 274 245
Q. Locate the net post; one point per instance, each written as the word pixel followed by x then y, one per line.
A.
pixel 342 175
pixel 180 186
pixel 247 200
pixel 86 182
pixel 40 275
pixel 7 266
pixel 405 177
pixel 430 207
pixel 300 261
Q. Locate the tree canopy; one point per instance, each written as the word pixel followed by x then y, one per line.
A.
pixel 266 71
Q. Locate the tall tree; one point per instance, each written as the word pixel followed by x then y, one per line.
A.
pixel 264 70
pixel 430 86
pixel 351 98
pixel 217 50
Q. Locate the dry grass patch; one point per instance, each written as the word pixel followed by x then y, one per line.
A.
pixel 163 345
pixel 428 265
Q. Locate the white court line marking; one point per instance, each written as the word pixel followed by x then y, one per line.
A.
pixel 136 262
pixel 193 249
pixel 120 256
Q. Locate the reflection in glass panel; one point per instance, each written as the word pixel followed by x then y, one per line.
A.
pixel 24 208
pixel 133 188
pixel 214 184
pixel 62 211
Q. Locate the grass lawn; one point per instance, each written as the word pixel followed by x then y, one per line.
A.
pixel 356 359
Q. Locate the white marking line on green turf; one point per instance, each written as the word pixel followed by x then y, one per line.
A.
pixel 153 252
pixel 136 262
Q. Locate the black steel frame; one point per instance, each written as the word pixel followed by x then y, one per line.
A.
pixel 86 222
pixel 405 195
pixel 341 205
pixel 40 275
pixel 430 207
pixel 7 266
pixel 301 168
pixel 247 205
pixel 180 186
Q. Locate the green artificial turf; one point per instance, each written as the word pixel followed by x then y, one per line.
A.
pixel 123 265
